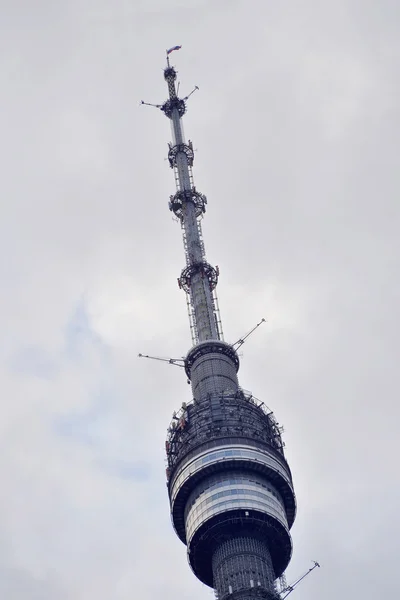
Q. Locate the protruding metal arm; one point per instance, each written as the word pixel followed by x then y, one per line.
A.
pixel 242 340
pixel 171 361
pixel 192 92
pixel 290 588
pixel 150 104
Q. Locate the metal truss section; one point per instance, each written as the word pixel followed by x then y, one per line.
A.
pixel 185 244
pixel 192 320
pixel 170 74
pixel 174 103
pixel 170 77
pixel 187 149
pixel 206 271
pixel 178 201
pixel 201 240
pixel 282 583
pixel 217 314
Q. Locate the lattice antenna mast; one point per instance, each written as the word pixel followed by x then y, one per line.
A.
pixel 198 279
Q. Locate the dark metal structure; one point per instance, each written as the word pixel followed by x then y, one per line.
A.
pixel 230 486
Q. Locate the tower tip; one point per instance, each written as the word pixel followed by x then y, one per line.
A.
pixel 168 52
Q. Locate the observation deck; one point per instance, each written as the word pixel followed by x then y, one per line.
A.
pixel 227 476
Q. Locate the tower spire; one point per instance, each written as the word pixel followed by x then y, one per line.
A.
pixel 198 278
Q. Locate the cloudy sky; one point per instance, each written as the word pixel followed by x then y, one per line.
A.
pixel 296 127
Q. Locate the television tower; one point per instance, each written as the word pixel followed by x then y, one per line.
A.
pixel 230 487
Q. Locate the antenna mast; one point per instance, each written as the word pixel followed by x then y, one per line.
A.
pixel 198 279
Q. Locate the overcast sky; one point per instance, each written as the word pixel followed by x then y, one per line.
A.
pixel 296 127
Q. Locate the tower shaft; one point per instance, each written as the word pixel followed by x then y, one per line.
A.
pixel 230 486
pixel 242 567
